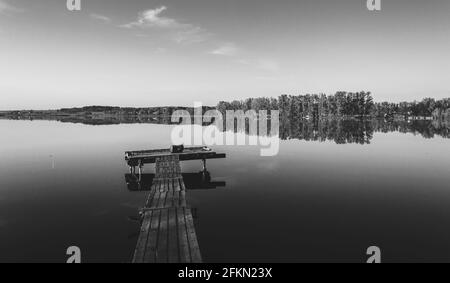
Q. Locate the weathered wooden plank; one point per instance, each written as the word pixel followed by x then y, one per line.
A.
pixel 143 237
pixel 176 184
pixel 169 197
pixel 161 252
pixel 163 186
pixel 162 199
pixel 152 240
pixel 182 186
pixel 185 255
pixel 158 188
pixel 172 202
pixel 192 237
pixel 152 194
pixel 155 185
pixel 173 255
pixel 168 185
pixel 176 195
pixel 183 202
pixel 157 195
pixel 155 200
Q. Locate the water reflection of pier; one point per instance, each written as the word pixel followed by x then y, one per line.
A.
pixel 167 232
pixel 192 181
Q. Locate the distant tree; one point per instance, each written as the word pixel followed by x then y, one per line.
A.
pixel 368 105
pixel 223 106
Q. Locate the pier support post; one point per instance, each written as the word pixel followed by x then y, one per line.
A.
pixel 141 164
pixel 204 165
pixel 140 173
pixel 205 173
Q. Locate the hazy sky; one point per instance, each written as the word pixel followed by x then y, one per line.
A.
pixel 175 52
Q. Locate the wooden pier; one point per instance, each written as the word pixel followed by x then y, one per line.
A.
pixel 167 232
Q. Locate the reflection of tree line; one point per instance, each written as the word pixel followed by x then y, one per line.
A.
pixel 427 129
pixel 99 121
pixel 341 131
pixel 357 131
pixel 120 120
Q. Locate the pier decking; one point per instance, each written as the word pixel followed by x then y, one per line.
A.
pixel 167 233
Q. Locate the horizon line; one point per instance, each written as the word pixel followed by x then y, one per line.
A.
pixel 180 106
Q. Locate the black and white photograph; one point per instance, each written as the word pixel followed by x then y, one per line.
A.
pixel 250 133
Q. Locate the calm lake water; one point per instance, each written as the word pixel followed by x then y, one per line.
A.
pixel 63 184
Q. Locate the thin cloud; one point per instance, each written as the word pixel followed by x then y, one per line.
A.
pixel 153 18
pixel 100 18
pixel 228 49
pixel 191 35
pixel 182 33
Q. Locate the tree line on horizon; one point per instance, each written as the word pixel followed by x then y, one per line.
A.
pixel 342 104
pixel 309 106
